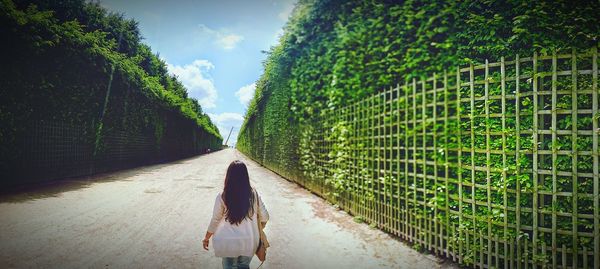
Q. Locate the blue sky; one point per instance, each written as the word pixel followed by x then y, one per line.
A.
pixel 214 47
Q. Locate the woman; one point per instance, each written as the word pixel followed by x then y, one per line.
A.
pixel 234 222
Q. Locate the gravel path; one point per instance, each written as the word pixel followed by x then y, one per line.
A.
pixel 156 217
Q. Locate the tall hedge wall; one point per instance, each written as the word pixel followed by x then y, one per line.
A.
pixel 72 66
pixel 335 54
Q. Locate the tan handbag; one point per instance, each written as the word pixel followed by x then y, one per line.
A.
pixel 263 243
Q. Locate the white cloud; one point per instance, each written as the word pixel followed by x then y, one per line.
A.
pixel 286 12
pixel 195 78
pixel 278 36
pixel 222 38
pixel 246 93
pixel 228 42
pixel 226 116
pixel 225 121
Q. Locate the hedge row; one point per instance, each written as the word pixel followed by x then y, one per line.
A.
pixel 335 54
pixel 73 64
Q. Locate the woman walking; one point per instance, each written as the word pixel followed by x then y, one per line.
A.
pixel 234 223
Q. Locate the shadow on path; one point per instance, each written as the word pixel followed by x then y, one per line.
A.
pixel 54 188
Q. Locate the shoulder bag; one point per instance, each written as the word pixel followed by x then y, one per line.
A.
pixel 263 243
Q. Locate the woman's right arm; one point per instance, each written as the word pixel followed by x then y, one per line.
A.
pixel 218 214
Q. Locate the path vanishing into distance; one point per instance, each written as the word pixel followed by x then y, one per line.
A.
pixel 156 216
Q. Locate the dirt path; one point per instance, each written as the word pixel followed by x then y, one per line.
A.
pixel 156 216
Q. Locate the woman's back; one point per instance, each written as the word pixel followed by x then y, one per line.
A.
pixel 231 240
pixel 235 221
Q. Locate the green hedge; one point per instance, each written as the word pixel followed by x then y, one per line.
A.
pixel 335 54
pixel 471 163
pixel 74 64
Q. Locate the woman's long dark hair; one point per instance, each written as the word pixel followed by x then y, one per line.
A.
pixel 237 193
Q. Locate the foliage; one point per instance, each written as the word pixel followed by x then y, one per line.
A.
pixel 337 54
pixel 62 59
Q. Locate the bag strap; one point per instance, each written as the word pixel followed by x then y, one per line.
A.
pixel 258 221
pixel 257 207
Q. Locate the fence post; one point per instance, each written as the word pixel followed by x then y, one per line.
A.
pixel 472 143
pixel 517 152
pixel 595 114
pixel 554 161
pixel 574 176
pixel 406 221
pixel 446 169
pixel 488 160
pixel 398 162
pixel 535 155
pixel 504 157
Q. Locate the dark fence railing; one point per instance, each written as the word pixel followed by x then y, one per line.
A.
pixel 50 150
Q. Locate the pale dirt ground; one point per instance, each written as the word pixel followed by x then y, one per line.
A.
pixel 156 217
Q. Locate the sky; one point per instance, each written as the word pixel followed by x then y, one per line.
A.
pixel 214 47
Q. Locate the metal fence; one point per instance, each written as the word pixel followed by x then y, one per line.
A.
pixel 56 149
pixel 493 166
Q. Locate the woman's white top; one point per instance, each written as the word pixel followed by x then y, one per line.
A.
pixel 231 240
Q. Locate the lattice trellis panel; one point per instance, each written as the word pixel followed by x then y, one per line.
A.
pixel 495 165
pixel 51 150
